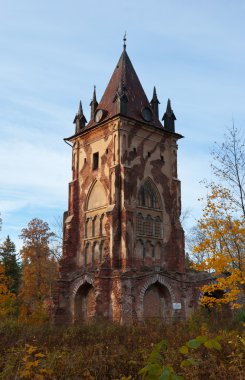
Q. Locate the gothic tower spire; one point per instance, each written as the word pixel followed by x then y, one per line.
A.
pixel 154 103
pixel 80 119
pixel 123 248
pixel 169 118
pixel 93 104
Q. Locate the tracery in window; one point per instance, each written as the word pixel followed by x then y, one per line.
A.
pixel 95 220
pixel 103 225
pixel 88 228
pixel 139 224
pixel 147 196
pixel 148 226
pixel 158 227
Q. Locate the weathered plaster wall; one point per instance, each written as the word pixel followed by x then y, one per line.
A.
pixel 102 257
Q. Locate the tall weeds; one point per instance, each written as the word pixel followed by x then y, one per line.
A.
pixel 102 350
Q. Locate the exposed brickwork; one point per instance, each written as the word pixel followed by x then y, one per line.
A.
pixel 123 255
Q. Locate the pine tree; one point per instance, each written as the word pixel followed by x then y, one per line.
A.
pixel 11 265
pixel 39 271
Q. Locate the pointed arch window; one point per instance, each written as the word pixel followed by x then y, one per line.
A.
pixel 148 197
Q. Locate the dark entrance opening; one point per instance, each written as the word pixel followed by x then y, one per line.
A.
pixel 157 302
pixel 85 306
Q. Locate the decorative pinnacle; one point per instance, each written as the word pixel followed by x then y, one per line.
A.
pixel 124 41
pixel 154 97
pixel 94 94
pixel 169 108
pixel 80 109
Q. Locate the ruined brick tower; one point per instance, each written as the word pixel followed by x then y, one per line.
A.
pixel 123 255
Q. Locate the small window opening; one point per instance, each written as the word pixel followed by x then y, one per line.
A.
pixel 134 150
pixel 95 160
pixel 107 151
pixel 162 159
pixel 149 154
pixel 85 160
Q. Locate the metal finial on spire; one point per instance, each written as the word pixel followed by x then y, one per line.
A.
pixel 80 109
pixel 94 93
pixel 93 103
pixel 169 109
pixel 124 41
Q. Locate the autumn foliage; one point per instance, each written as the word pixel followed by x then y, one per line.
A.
pixel 7 298
pixel 222 249
pixel 39 272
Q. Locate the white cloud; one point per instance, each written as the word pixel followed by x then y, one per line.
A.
pixel 52 53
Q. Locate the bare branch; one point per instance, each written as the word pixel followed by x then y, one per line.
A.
pixel 229 165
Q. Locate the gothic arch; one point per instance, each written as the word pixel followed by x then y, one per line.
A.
pixel 78 283
pixel 148 195
pixel 96 196
pixel 155 280
pixel 81 282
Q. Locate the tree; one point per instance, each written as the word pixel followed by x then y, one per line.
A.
pixel 39 271
pixel 229 166
pixel 193 238
pixel 57 239
pixel 222 248
pixel 7 298
pixel 9 260
pixel 219 240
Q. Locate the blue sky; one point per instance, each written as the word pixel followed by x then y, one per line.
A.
pixel 53 52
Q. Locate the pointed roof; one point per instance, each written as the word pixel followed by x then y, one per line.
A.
pixel 125 82
pixel 154 96
pixel 80 109
pixel 94 100
pixel 124 95
pixel 169 112
pixel 80 114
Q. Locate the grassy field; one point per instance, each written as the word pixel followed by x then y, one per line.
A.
pixel 103 350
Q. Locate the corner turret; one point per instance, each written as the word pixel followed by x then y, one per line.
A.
pixel 169 118
pixel 154 103
pixel 93 104
pixel 80 119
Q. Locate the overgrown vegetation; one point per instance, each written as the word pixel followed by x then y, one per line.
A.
pixel 205 347
pixel 211 345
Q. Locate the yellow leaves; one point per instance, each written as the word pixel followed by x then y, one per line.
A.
pixel 40 355
pixel 30 364
pixel 30 349
pixel 34 365
pixel 221 248
pixel 25 374
pixel 39 272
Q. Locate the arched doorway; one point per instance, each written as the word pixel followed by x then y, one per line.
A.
pixel 85 305
pixel 157 302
